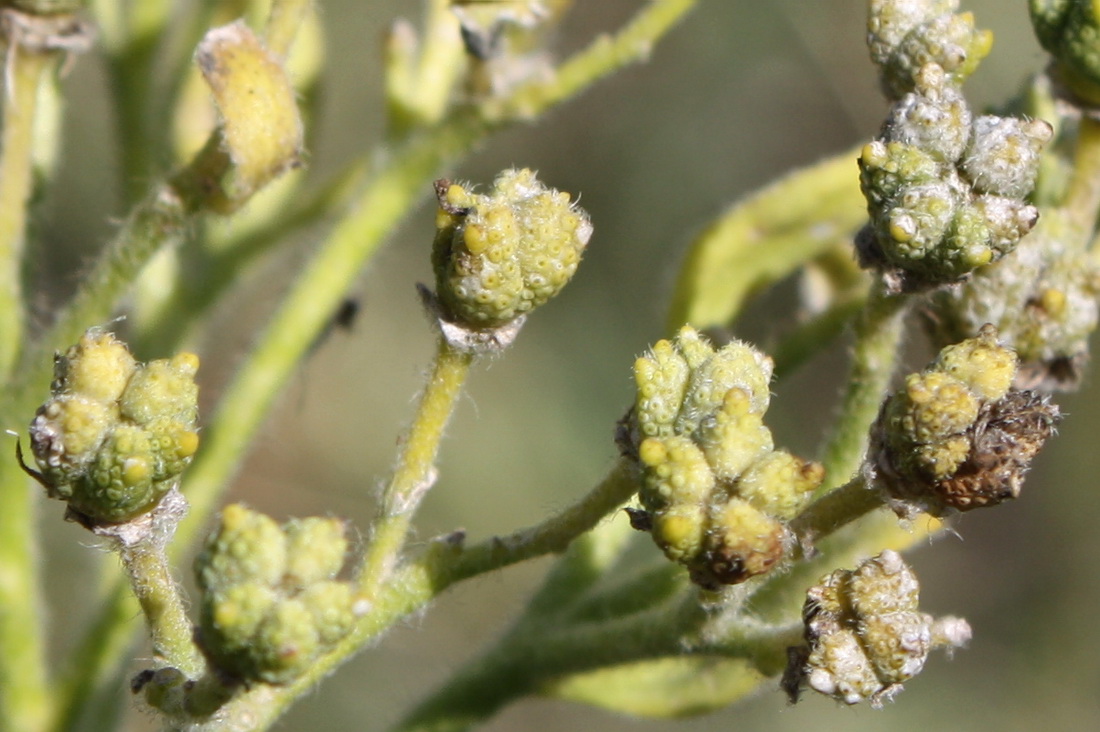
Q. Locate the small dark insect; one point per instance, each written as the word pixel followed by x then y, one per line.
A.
pixel 347 313
pixel 342 319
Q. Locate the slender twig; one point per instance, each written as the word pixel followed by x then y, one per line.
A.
pixel 24 70
pixel 1082 200
pixel 417 583
pixel 878 333
pixel 836 509
pixel 158 594
pixel 24 701
pixel 415 470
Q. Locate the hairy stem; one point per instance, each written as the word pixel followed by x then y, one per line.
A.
pixel 836 509
pixel 533 656
pixel 159 596
pixel 24 701
pixel 878 334
pixel 1082 200
pixel 417 583
pixel 415 471
pixel 24 71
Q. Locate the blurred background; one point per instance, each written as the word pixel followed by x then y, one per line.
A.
pixel 739 94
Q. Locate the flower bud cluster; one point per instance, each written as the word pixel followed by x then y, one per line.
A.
pixel 945 191
pixel 499 255
pixel 955 436
pixel 865 635
pixel 1068 30
pixel 1043 299
pixel 115 434
pixel 270 601
pixel 905 36
pixel 715 492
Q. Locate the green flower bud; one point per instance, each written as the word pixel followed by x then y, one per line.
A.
pixel 884 584
pixel 736 366
pixel 1002 157
pixel 897 644
pixel 164 388
pixel 661 378
pixel 675 472
pixel 316 549
pixel 331 605
pixel 864 635
pixel 1044 299
pixel 173 444
pixel 120 484
pixel 943 198
pixel 886 169
pixel 498 256
pixel 780 484
pixel 115 436
pixel 734 436
pixel 715 493
pixel 904 37
pixel 680 531
pixel 956 438
pixel 270 605
pixel 65 435
pixel 233 617
pixel 742 542
pixel 934 117
pixel 246 546
pixel 982 363
pixel 98 367
pixel 1070 31
pixel 286 643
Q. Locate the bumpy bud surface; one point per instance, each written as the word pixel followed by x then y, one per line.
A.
pixel 945 193
pixel 115 435
pixel 1002 157
pixel 864 634
pixel 715 492
pixel 271 603
pixel 1070 31
pixel 1043 299
pixel 956 437
pixel 499 255
pixel 905 36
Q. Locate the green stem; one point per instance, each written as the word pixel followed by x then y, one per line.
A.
pixel 878 334
pixel 437 70
pixel 836 509
pixel 159 596
pixel 283 23
pixel 524 661
pixel 415 471
pixel 606 55
pixel 25 71
pixel 1082 200
pixel 24 700
pixel 580 569
pixel 417 583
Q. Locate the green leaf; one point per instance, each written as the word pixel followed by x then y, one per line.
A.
pixel 662 688
pixel 764 238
